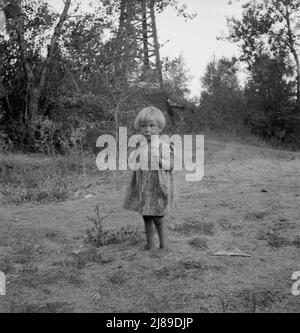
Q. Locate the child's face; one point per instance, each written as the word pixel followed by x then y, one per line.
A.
pixel 149 127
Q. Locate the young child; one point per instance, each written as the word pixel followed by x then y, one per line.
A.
pixel 151 192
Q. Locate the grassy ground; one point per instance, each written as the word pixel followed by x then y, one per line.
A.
pixel 248 200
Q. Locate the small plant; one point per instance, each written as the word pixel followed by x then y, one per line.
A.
pixel 252 305
pixel 158 304
pixel 118 278
pixel 78 139
pixel 190 264
pixel 221 298
pixel 273 239
pixel 6 265
pixel 256 215
pixel 198 242
pixel 46 130
pixel 97 236
pixel 6 144
pixel 296 241
pixel 54 307
pixel 277 241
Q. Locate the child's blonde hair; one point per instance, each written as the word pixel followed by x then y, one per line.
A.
pixel 150 112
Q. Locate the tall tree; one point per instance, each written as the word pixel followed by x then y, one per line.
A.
pixel 176 77
pixel 26 19
pixel 268 97
pixel 221 101
pixel 269 27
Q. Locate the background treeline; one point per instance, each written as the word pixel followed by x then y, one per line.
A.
pixel 63 74
pixel 259 91
pixel 66 73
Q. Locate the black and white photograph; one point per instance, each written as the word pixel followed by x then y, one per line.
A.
pixel 150 159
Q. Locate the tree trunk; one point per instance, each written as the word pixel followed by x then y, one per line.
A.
pixel 36 82
pixel 34 98
pixel 117 131
pixel 292 43
pixel 298 77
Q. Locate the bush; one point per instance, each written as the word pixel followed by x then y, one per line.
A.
pixel 26 179
pixel 97 236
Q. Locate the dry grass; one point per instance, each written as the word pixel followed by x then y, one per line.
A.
pixel 51 267
pixel 39 179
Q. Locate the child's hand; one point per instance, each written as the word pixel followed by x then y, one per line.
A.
pixel 166 162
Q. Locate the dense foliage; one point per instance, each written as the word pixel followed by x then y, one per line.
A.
pixel 65 73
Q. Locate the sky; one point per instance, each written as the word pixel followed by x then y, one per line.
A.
pixel 195 39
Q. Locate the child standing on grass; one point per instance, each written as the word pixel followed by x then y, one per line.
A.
pixel 151 192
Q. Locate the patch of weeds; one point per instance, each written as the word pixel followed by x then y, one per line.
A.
pixel 296 241
pixel 156 304
pixel 274 240
pixel 28 269
pixel 224 223
pixel 6 265
pixel 222 300
pixel 35 188
pixel 241 301
pixel 165 271
pixel 198 243
pixel 189 264
pixel 254 300
pixel 97 236
pixel 180 269
pixel 283 223
pixel 51 307
pixel 25 253
pixel 55 236
pixel 118 278
pixel 257 215
pixel 127 233
pixel 52 276
pixel 171 272
pixel 80 260
pixel 205 228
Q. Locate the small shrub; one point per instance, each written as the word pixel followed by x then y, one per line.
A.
pixel 188 264
pixel 6 144
pixel 296 241
pixel 277 241
pixel 6 265
pixel 273 239
pixel 258 215
pixel 97 236
pixel 198 243
pixel 118 278
pixel 53 307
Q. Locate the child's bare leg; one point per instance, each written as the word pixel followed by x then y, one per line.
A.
pixel 162 232
pixel 149 231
